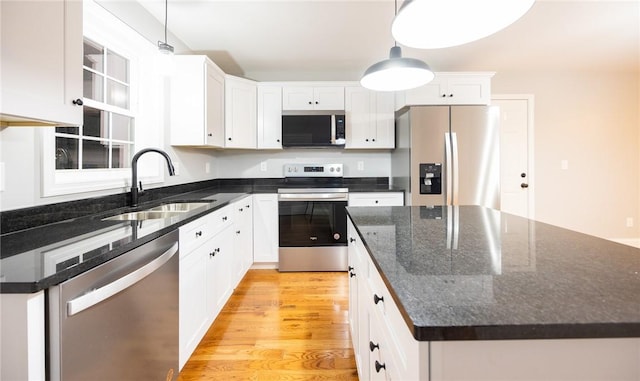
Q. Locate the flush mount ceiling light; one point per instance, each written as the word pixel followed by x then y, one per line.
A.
pixel 396 73
pixel 163 47
pixel 432 24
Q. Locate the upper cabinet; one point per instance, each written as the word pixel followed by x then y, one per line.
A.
pixel 269 116
pixel 299 97
pixel 41 62
pixel 450 89
pixel 240 112
pixel 370 119
pixel 197 102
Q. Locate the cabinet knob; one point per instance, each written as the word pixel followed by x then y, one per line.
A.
pixel 450 95
pixel 310 102
pixel 278 140
pixel 379 367
pixel 199 234
pixel 373 347
pixel 444 95
pixel 376 201
pixel 352 239
pixel 377 298
pixel 366 140
pixel 212 254
pixel 77 102
pixel 237 231
pixel 224 218
pixel 209 134
pixel 350 268
pixel 373 140
pixel 351 275
pixel 229 139
pixel 524 185
pixel 316 102
pixel 240 210
pixel 248 206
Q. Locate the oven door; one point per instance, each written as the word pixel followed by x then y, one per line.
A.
pixel 313 232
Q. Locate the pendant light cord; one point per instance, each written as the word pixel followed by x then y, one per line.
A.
pixel 166 4
pixel 395 8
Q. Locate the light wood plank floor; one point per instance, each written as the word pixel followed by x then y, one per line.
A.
pixel 279 326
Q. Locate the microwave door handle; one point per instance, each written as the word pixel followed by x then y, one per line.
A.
pixel 333 129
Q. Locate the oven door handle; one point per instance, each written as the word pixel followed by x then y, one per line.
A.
pixel 313 197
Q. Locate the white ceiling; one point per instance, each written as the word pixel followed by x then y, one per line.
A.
pixel 333 39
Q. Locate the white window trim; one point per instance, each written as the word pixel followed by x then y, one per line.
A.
pixel 146 98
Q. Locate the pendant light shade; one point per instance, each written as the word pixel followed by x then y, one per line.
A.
pixel 396 73
pixel 432 24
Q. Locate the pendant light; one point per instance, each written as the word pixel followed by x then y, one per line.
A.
pixel 396 73
pixel 432 24
pixel 164 47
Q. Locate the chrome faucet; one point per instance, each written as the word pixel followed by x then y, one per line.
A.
pixel 134 172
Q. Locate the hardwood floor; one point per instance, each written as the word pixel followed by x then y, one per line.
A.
pixel 279 326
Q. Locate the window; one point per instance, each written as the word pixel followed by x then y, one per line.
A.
pixel 106 138
pixel 124 98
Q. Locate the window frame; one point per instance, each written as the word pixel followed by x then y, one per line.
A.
pixel 146 96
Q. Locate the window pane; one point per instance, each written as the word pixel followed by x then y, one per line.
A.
pixel 66 153
pixel 68 130
pixel 121 127
pixel 95 154
pixel 93 56
pixel 117 67
pixel 95 123
pixel 121 155
pixel 92 86
pixel 117 94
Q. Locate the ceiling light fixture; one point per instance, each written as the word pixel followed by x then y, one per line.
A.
pixel 432 24
pixel 164 47
pixel 396 73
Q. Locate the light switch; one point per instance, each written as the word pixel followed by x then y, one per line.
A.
pixel 207 167
pixel 263 166
pixel 361 166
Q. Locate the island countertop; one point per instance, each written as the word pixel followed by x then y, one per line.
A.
pixel 472 273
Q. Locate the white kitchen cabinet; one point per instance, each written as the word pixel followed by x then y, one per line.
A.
pixel 41 62
pixel 450 89
pixel 197 102
pixel 376 199
pixel 298 97
pixel 269 116
pixel 370 122
pixel 206 246
pixel 240 112
pixel 265 228
pixel 243 247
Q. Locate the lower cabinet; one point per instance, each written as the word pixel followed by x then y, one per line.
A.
pixel 243 238
pixel 265 233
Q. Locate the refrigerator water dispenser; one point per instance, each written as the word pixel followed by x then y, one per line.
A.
pixel 430 178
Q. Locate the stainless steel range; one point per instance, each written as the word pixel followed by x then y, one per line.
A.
pixel 313 220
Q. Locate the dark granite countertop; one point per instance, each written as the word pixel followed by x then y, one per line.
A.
pixel 472 273
pixel 34 240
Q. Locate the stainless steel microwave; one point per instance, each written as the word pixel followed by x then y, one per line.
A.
pixel 313 130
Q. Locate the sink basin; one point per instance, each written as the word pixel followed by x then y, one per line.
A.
pixel 146 215
pixel 179 206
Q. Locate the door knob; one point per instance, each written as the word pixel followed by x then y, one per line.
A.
pixel 524 185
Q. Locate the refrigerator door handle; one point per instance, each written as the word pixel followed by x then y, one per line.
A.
pixel 456 169
pixel 448 165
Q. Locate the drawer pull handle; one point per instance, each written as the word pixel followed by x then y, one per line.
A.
pixel 352 239
pixel 237 231
pixel 199 233
pixel 240 210
pixel 373 347
pixel 224 218
pixel 212 254
pixel 350 268
pixel 351 275
pixel 380 367
pixel 377 298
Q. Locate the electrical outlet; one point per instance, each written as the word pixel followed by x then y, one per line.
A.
pixel 361 166
pixel 263 166
pixel 207 167
pixel 564 164
pixel 629 222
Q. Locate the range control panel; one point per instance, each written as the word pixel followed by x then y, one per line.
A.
pixel 313 170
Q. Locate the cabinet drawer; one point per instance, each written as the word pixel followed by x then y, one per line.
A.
pixel 376 199
pixel 193 235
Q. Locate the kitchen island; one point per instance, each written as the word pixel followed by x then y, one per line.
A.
pixel 466 292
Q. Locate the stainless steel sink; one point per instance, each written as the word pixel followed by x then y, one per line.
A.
pixel 160 211
pixel 146 215
pixel 179 206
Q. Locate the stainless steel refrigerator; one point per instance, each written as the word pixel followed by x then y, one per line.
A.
pixel 448 155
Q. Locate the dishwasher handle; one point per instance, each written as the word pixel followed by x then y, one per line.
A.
pixel 96 296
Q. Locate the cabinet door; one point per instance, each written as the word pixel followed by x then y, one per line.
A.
pixel 240 113
pixel 328 98
pixel 358 110
pixel 214 105
pixel 469 90
pixel 384 120
pixel 297 98
pixel 269 117
pixel 243 241
pixel 433 93
pixel 41 61
pixel 265 228
pixel 193 293
pixel 219 274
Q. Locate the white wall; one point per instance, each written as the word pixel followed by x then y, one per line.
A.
pixel 590 119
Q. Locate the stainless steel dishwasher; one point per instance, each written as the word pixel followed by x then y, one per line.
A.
pixel 118 321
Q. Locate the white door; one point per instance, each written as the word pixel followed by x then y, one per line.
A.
pixel 516 154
